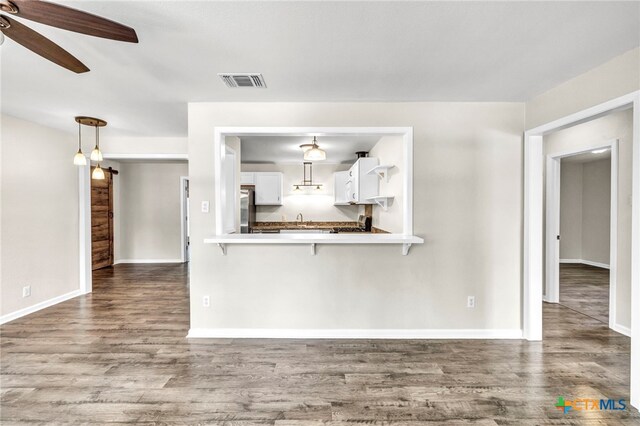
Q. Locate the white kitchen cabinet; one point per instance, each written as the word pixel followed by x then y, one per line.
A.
pixel 361 185
pixel 268 190
pixel 340 189
pixel 247 178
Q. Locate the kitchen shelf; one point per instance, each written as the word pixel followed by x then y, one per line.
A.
pixel 382 171
pixel 312 239
pixel 382 201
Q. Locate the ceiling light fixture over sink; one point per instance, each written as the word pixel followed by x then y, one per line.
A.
pixel 307 178
pixel 312 151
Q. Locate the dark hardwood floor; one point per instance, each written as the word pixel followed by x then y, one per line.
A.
pixel 585 289
pixel 120 355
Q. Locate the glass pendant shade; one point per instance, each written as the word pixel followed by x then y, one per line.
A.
pixel 98 173
pixel 96 154
pixel 315 154
pixel 79 159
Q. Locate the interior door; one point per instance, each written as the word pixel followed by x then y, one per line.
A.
pixel 102 221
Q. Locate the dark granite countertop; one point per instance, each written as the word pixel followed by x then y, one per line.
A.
pixel 309 225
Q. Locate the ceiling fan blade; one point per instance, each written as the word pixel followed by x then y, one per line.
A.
pixel 41 45
pixel 75 20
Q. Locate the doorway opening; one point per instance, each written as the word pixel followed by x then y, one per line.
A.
pixel 582 229
pixel 534 226
pixel 142 216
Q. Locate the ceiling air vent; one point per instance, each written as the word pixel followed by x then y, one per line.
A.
pixel 243 80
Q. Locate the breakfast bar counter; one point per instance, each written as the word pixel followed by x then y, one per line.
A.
pixel 313 238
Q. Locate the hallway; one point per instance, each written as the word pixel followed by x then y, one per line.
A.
pixel 585 289
pixel 119 355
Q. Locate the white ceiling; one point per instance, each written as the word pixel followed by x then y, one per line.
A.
pixel 587 157
pixel 311 51
pixel 286 149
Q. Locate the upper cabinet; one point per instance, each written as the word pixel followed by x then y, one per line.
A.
pixel 362 186
pixel 268 190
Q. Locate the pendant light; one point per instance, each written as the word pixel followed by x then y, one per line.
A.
pixel 79 159
pixel 315 153
pixel 98 173
pixel 96 155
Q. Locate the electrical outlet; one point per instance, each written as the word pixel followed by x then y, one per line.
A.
pixel 206 302
pixel 205 207
pixel 26 291
pixel 471 302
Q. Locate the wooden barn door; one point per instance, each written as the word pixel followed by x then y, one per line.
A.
pixel 102 221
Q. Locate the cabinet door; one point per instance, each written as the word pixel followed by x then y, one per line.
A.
pixel 247 178
pixel 339 187
pixel 353 183
pixel 268 189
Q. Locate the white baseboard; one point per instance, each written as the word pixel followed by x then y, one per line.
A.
pixel 585 262
pixel 621 329
pixel 287 333
pixel 38 306
pixel 148 261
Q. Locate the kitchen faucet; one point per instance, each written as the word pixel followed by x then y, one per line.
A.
pixel 299 218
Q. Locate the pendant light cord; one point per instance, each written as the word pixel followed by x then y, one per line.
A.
pixel 79 137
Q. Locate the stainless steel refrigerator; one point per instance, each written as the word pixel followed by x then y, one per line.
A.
pixel 247 209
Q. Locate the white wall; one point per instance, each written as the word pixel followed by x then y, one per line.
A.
pixel 585 211
pixel 617 77
pixel 467 206
pixel 571 211
pixel 39 214
pixel 390 151
pixel 149 215
pixel 313 204
pixel 619 126
pixel 141 145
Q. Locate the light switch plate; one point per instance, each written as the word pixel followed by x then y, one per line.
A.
pixel 205 207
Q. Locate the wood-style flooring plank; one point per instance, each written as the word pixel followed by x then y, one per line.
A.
pixel 585 289
pixel 120 356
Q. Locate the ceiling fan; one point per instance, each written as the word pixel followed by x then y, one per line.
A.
pixel 58 16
